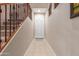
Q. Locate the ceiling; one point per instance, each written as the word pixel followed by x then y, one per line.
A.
pixel 39 10
pixel 39 7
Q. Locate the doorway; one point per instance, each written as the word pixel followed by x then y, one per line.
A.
pixel 39 26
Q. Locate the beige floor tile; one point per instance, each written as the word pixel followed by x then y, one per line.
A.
pixel 39 47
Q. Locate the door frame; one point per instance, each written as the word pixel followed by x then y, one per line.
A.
pixel 34 25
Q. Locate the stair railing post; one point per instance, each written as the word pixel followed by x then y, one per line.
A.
pixel 5 23
pixel 24 12
pixel 10 20
pixel 0 27
pixel 13 17
pixel 16 16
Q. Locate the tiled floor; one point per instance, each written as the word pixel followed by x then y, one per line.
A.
pixel 39 47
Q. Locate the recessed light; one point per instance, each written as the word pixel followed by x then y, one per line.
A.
pixel 39 10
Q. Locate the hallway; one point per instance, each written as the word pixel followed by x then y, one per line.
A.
pixel 54 24
pixel 39 47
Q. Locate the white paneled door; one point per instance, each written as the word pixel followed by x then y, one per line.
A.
pixel 39 25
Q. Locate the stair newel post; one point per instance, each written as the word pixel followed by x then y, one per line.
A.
pixel 10 20
pixel 5 23
pixel 0 27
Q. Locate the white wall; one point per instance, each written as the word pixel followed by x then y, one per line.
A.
pixel 20 42
pixel 61 33
pixel 75 36
pixel 75 23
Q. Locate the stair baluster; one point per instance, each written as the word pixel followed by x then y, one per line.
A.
pixel 5 23
pixel 16 16
pixel 0 28
pixel 13 19
pixel 10 20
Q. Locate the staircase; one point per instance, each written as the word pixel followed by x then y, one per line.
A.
pixel 10 30
pixel 9 27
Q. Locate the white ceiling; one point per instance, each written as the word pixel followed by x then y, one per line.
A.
pixel 39 10
pixel 39 6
